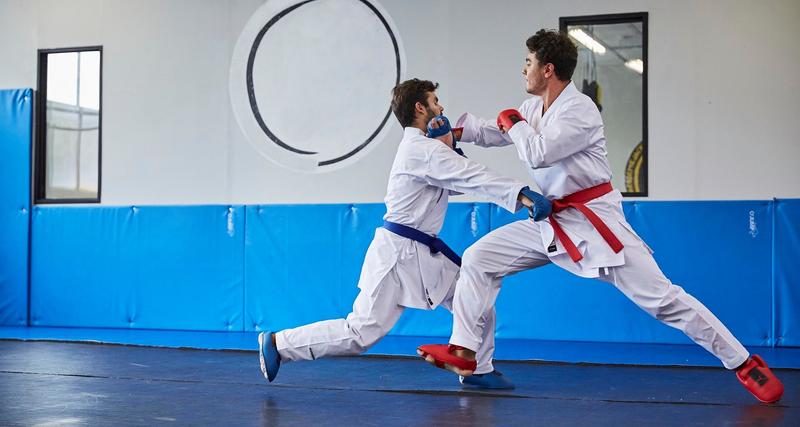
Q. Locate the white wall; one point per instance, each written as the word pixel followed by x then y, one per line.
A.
pixel 724 96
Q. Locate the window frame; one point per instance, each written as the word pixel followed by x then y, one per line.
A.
pixel 621 18
pixel 40 118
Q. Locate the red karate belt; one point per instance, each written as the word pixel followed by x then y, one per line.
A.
pixel 578 201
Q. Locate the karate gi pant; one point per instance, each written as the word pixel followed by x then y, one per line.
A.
pixel 373 315
pixel 518 246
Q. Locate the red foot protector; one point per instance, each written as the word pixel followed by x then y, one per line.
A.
pixel 443 354
pixel 756 377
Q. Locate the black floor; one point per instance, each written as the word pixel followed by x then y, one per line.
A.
pixel 47 383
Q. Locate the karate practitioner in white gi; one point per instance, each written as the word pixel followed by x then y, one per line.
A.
pixel 399 272
pixel 558 134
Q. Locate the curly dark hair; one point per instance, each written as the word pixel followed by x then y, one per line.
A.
pixel 406 95
pixel 551 46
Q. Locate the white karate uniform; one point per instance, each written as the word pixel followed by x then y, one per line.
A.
pixel 566 151
pixel 399 272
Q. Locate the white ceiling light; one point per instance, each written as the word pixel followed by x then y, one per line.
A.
pixel 635 65
pixel 587 41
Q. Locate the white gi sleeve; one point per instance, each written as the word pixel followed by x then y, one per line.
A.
pixel 572 131
pixel 447 169
pixel 481 132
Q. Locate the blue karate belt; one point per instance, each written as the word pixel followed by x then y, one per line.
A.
pixel 436 244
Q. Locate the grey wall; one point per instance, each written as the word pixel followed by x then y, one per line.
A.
pixel 724 97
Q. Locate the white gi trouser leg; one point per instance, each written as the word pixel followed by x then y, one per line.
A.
pixel 487 323
pixel 642 282
pixel 517 247
pixel 373 315
pixel 509 249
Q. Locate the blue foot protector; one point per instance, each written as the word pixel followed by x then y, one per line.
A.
pixel 268 356
pixel 494 380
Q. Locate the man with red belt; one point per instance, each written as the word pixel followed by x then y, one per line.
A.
pixel 558 133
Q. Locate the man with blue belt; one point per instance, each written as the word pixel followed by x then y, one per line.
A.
pixel 407 266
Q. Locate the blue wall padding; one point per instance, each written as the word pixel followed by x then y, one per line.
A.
pixel 15 159
pixel 272 267
pixel 302 262
pixel 715 252
pixel 138 267
pixel 787 272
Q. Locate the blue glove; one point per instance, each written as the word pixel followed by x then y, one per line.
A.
pixel 443 130
pixel 542 208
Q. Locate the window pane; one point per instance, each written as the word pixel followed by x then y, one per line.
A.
pixel 72 125
pixel 90 76
pixel 62 78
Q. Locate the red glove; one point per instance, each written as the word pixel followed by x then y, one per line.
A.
pixel 507 118
pixel 457 133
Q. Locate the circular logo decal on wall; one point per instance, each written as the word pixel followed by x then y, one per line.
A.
pixel 310 81
pixel 634 172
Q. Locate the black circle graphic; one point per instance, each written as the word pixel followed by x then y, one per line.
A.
pixel 252 96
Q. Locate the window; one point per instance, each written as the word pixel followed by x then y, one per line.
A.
pixel 612 70
pixel 68 126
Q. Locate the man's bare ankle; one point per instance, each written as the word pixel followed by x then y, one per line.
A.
pixel 465 354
